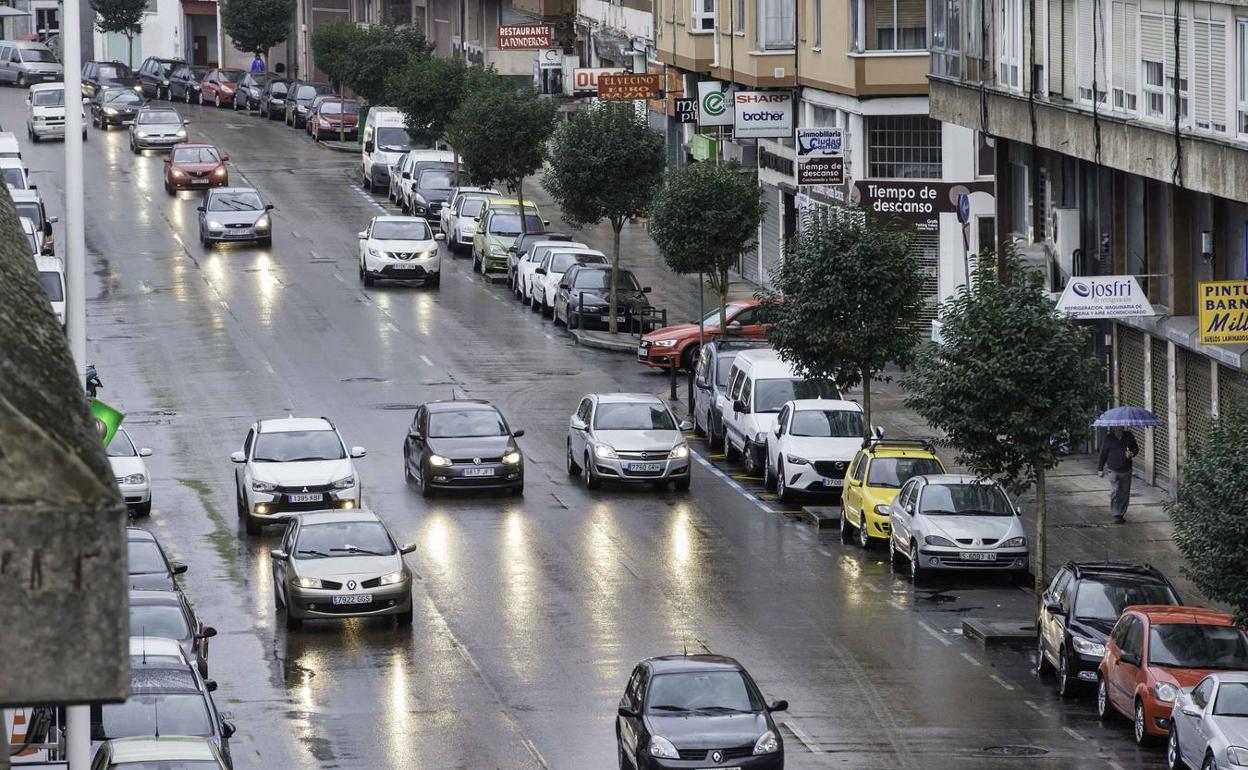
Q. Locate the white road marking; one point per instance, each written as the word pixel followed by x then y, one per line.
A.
pixel 1001 681
pixel 425 358
pixel 810 745
pixel 939 637
pixel 828 554
pixel 1035 708
pixel 971 659
pixel 1115 765
pixel 732 483
pixel 872 587
pixel 1073 733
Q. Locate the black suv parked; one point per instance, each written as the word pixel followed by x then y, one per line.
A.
pixel 1080 608
pixel 98 75
pixel 184 82
pixel 154 75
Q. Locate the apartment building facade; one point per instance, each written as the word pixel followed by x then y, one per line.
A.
pixel 857 65
pixel 1121 139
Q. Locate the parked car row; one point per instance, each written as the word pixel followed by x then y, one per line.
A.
pixel 28 201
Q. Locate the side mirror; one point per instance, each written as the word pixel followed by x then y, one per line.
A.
pixel 878 432
pixel 779 430
pixel 627 712
pixel 439 236
pixel 565 287
pixel 207 632
pixel 199 208
pixel 406 175
pixel 358 451
pixel 1054 608
pixel 1192 711
pixel 546 222
pixel 227 729
pixel 178 569
pixel 145 452
pixel 268 207
pixel 578 423
pixel 645 290
pixel 238 457
pixel 1129 658
pixel 361 235
pixel 168 161
pixel 780 705
pixel 540 271
pixel 53 220
pixel 224 158
pixel 685 425
pixel 517 433
pixel 700 385
pixel 368 146
pixel 738 406
pixel 277 554
pixel 211 686
pixel 407 548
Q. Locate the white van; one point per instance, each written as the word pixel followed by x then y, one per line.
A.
pixel 52 276
pixel 383 141
pixel 23 62
pixel 759 384
pixel 45 112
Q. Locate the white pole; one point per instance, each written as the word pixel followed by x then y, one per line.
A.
pixel 220 38
pixel 76 239
pixel 78 727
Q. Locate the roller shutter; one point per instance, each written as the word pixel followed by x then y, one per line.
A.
pixel 926 251
pixel 1161 408
pixel 772 244
pixel 1199 396
pixel 1232 389
pixel 1130 366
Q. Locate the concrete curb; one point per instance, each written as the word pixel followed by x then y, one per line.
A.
pixel 821 516
pixel 1000 633
pixel 604 341
pixel 340 146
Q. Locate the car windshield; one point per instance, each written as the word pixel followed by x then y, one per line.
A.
pixel 160 116
pixel 972 499
pixel 1104 598
pixel 145 556
pixel 1195 645
pixel 231 77
pixel 198 72
pixel 892 472
pixel 559 263
pixel 293 446
pixel 122 97
pixel 770 395
pixel 51 281
pixel 509 224
pixel 704 692
pixel 393 139
pixel 343 538
pixel 38 55
pixel 711 321
pixel 1232 700
pixel 121 445
pixel 50 98
pixel 335 108
pixel 471 207
pixel 235 201
pixel 159 620
pixel 416 230
pixel 723 368
pixel 154 713
pixel 113 72
pixel 833 423
pixel 633 417
pixel 14 177
pixel 196 155
pixel 466 424
pixel 436 179
pixel 278 89
pixel 601 280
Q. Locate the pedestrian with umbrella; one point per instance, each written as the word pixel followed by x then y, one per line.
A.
pixel 1118 451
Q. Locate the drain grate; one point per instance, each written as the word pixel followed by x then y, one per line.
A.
pixel 363 379
pixel 1015 751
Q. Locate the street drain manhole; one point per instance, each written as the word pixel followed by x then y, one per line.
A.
pixel 1015 751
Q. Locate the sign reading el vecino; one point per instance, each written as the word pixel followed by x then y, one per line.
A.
pixel 624 87
pixel 525 37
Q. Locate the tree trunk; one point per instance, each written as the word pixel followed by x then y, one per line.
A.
pixel 866 403
pixel 722 286
pixel 130 50
pixel 520 198
pixel 613 299
pixel 456 150
pixel 1038 554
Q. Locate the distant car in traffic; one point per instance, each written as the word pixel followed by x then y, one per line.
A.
pixel 16 175
pixel 531 252
pixel 52 276
pixel 195 166
pixel 184 82
pixel 400 249
pixel 299 98
pixel 679 343
pixel 341 564
pixel 430 190
pixel 809 449
pixel 103 75
pixel 23 62
pixel 9 146
pixel 955 522
pixel 583 296
pixel 406 175
pixel 383 142
pixel 293 465
pixel 29 205
pixel 219 86
pixel 446 218
pixel 272 100
pixel 627 437
pixel 153 76
pixel 45 112
pixel 498 226
pixel 711 381
pixel 130 470
pixel 696 711
pixel 523 245
pixel 547 274
pixel 335 118
pixel 462 444
pixel 250 91
pixel 1209 726
pixel 114 107
pixel 874 478
pixel 148 566
pixel 465 210
pixel 234 214
pixel 168 614
pixel 158 128
pixel 152 753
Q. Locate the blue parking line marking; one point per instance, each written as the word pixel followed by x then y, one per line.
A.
pixel 732 483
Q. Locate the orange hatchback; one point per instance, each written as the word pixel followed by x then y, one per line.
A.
pixel 679 343
pixel 1153 652
pixel 195 166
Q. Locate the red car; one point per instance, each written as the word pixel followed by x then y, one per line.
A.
pixel 333 118
pixel 1153 652
pixel 195 166
pixel 219 86
pixel 680 343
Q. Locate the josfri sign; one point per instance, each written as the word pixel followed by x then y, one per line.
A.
pixel 762 114
pixel 1104 296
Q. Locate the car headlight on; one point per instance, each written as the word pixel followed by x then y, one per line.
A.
pixel 943 542
pixel 662 747
pixel 1237 756
pixel 177 172
pixel 604 451
pixel 392 579
pixel 138 88
pixel 796 460
pixel 219 171
pixel 1087 647
pixel 134 478
pixel 1015 542
pixel 375 253
pixel 263 486
pixel 1165 692
pixel 308 582
pixel 767 743
pixel 426 254
pixel 345 483
pixel 512 458
pixel 214 225
pixel 164 82
pixel 141 134
pixel 262 223
pixel 664 343
pixel 438 461
pixel 110 111
pixel 181 133
pixel 680 452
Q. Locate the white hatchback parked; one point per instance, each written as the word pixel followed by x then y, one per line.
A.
pixel 400 249
pixel 811 446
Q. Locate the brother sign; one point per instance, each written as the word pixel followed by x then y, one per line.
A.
pixel 762 115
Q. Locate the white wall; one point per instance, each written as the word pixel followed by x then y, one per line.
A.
pixel 627 21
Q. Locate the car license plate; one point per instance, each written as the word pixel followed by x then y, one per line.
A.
pixel 643 351
pixel 977 556
pixel 834 482
pixel 404 267
pixel 238 231
pixel 478 471
pixel 305 498
pixel 199 181
pixel 127 122
pixel 352 599
pixel 645 467
pixel 607 318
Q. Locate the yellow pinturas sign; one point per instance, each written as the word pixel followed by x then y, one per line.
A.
pixel 1224 313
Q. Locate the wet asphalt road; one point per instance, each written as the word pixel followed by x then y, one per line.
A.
pixel 529 612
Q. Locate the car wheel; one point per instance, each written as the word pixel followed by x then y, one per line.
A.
pixel 216 99
pixel 864 535
pixel 689 359
pixel 591 477
pixel 1065 684
pixel 574 320
pixel 917 573
pixel 750 459
pixel 21 80
pixel 547 311
pixel 782 488
pixel 143 510
pixel 407 468
pixel 730 454
pixel 554 317
pixel 682 484
pixel 1209 763
pixel 168 189
pixel 186 95
pixel 201 98
pixel 426 489
pixel 573 468
pixel 292 623
pixel 404 618
pixel 1140 725
pixel 847 529
pixel 698 428
pixel 33 136
pixel 1043 666
pixel 894 553
pixel 369 280
pixel 1174 759
pixel 252 526
pixel 769 479
pixel 1103 708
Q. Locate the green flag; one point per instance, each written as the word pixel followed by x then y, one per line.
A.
pixel 107 420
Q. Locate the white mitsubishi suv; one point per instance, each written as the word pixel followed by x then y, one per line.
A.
pixel 292 465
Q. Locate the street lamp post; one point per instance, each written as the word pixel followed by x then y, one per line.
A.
pixel 76 241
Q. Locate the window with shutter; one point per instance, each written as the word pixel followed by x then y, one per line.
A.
pixel 1157 45
pixel 775 24
pixel 1090 65
pixel 1009 31
pixel 889 25
pixel 1123 72
pixel 1209 72
pixel 703 18
pixel 1241 58
pixel 946 34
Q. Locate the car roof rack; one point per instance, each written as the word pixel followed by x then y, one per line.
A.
pixel 875 442
pixel 1133 568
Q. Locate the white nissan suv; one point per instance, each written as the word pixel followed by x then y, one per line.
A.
pixel 292 465
pixel 400 249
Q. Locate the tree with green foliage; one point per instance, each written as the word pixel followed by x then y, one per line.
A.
pixel 1210 514
pixel 605 163
pixel 124 16
pixel 377 52
pixel 1012 382
pixel 255 26
pixel 333 46
pixel 844 302
pixel 703 218
pixel 501 134
pixel 427 90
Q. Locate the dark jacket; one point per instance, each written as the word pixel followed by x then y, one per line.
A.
pixel 1114 449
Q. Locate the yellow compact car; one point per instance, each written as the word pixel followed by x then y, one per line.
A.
pixel 874 477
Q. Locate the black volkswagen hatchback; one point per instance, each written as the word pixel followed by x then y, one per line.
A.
pixel 462 445
pixel 703 709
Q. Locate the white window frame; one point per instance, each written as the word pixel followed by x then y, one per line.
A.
pixel 700 19
pixel 1008 38
pixel 782 43
pixel 1148 90
pixel 1241 71
pixel 816 16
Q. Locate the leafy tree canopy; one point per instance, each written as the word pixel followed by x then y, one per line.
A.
pixel 122 16
pixel 333 45
pixel 501 132
pixel 428 90
pixel 378 51
pixel 257 25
